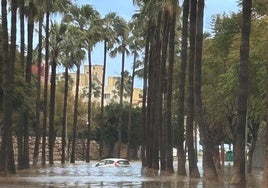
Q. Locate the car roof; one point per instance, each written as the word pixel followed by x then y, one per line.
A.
pixel 115 159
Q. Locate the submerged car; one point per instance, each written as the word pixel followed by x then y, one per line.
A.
pixel 113 162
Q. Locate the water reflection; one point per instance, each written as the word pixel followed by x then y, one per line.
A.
pixel 86 175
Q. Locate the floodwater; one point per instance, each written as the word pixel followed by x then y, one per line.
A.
pixel 83 174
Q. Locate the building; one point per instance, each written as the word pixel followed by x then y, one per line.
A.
pixel 110 90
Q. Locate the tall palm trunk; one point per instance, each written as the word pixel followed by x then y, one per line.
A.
pixel 239 176
pixel 169 166
pixel 89 105
pixel 26 159
pixel 193 170
pixel 22 51
pixel 164 50
pixel 22 43
pixel 130 107
pixel 149 128
pixel 144 101
pixel 121 104
pixel 64 117
pixel 44 128
pixel 75 114
pixel 102 92
pixel 52 135
pixel 181 152
pixel 7 163
pixel 37 110
pixel 156 110
pixel 208 149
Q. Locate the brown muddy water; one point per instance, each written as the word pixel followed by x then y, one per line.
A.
pixel 83 174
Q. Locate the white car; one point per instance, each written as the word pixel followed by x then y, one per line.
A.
pixel 113 162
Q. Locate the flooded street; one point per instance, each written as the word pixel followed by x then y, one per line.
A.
pixel 82 174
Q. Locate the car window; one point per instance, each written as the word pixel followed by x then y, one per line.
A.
pixel 109 162
pixel 100 163
pixel 123 162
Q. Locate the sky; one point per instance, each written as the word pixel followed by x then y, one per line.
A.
pixel 126 9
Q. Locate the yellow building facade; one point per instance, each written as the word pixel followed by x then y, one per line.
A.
pixel 110 90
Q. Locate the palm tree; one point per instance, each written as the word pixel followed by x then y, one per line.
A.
pixel 77 56
pixel 208 151
pixel 108 35
pixel 28 79
pixel 22 56
pixel 50 7
pixel 67 60
pixel 122 30
pixel 56 46
pixel 87 20
pixel 22 45
pixel 239 176
pixel 153 60
pixel 7 163
pixel 193 170
pixel 38 92
pixel 135 47
pixel 92 37
pixel 45 111
pixel 169 137
pixel 55 39
pixel 181 97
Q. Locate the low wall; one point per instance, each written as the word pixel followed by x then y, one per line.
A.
pixel 79 154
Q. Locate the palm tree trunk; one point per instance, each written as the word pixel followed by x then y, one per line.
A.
pixel 26 159
pixel 7 163
pixel 44 128
pixel 22 56
pixel 169 166
pixel 163 129
pixel 52 135
pixel 37 111
pixel 64 117
pixel 130 107
pixel 157 96
pixel 89 106
pixel 193 170
pixel 144 101
pixel 7 99
pixel 208 149
pixel 75 114
pixel 239 176
pixel 121 105
pixel 22 50
pixel 181 152
pixel 102 94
